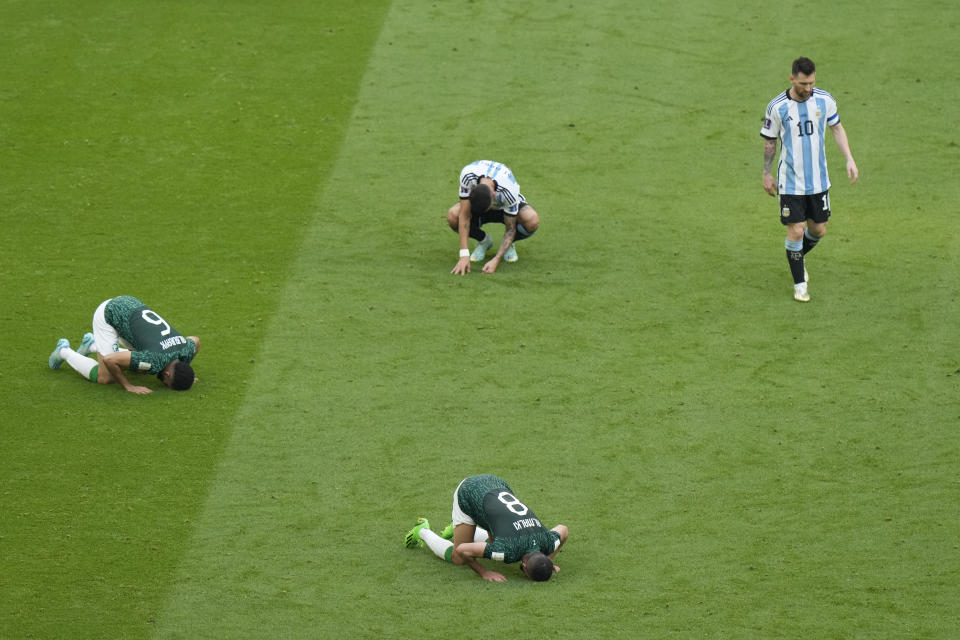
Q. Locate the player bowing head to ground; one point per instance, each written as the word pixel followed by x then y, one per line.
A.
pixel 128 335
pixel 489 193
pixel 490 522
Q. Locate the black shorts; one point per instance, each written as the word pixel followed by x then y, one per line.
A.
pixel 494 215
pixel 794 209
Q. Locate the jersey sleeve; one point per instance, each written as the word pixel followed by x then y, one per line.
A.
pixel 508 196
pixel 551 542
pixel 833 117
pixel 511 549
pixel 152 362
pixel 468 179
pixel 494 550
pixel 771 124
pixel 144 362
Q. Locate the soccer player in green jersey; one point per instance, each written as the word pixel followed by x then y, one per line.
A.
pixel 128 335
pixel 490 522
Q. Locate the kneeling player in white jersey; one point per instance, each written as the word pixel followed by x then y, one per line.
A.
pixel 799 117
pixel 128 335
pixel 490 193
pixel 490 522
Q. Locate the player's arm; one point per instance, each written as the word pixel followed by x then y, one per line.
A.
pixel 463 216
pixel 115 364
pixel 467 553
pixel 840 137
pixel 769 153
pixel 509 233
pixel 564 532
pixel 196 345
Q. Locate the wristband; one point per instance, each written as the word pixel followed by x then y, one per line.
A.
pixel 464 253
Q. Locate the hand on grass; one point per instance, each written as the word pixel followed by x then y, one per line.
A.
pixel 141 391
pixel 493 576
pixel 462 267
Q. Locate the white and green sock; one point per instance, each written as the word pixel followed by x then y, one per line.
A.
pixel 440 547
pixel 86 367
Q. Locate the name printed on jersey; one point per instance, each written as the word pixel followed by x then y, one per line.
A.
pixel 527 523
pixel 172 342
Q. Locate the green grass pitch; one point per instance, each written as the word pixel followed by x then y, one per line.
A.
pixel 273 178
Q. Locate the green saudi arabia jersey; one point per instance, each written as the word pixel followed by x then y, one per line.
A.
pixel 514 529
pixel 155 343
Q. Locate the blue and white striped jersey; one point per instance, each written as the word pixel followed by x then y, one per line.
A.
pixel 507 198
pixel 801 127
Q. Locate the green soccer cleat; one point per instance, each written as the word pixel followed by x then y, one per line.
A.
pixel 447 533
pixel 85 344
pixel 511 254
pixel 55 360
pixel 480 252
pixel 412 539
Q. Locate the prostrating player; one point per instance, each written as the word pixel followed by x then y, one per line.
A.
pixel 129 335
pixel 490 522
pixel 799 117
pixel 490 193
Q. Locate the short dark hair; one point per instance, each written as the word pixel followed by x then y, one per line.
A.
pixel 182 376
pixel 804 66
pixel 481 196
pixel 538 567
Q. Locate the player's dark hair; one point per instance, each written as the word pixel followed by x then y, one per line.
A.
pixel 480 198
pixel 538 567
pixel 804 66
pixel 182 376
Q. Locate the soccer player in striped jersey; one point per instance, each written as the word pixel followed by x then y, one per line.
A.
pixel 490 193
pixel 799 117
pixel 128 335
pixel 488 521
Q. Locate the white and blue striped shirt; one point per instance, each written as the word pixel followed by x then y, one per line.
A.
pixel 507 198
pixel 801 127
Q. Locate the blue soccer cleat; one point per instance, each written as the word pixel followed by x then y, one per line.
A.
pixel 55 359
pixel 85 344
pixel 480 252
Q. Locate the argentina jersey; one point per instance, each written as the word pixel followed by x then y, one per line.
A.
pixel 801 127
pixel 507 197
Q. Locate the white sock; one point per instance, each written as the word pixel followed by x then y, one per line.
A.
pixel 81 364
pixel 480 535
pixel 437 544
